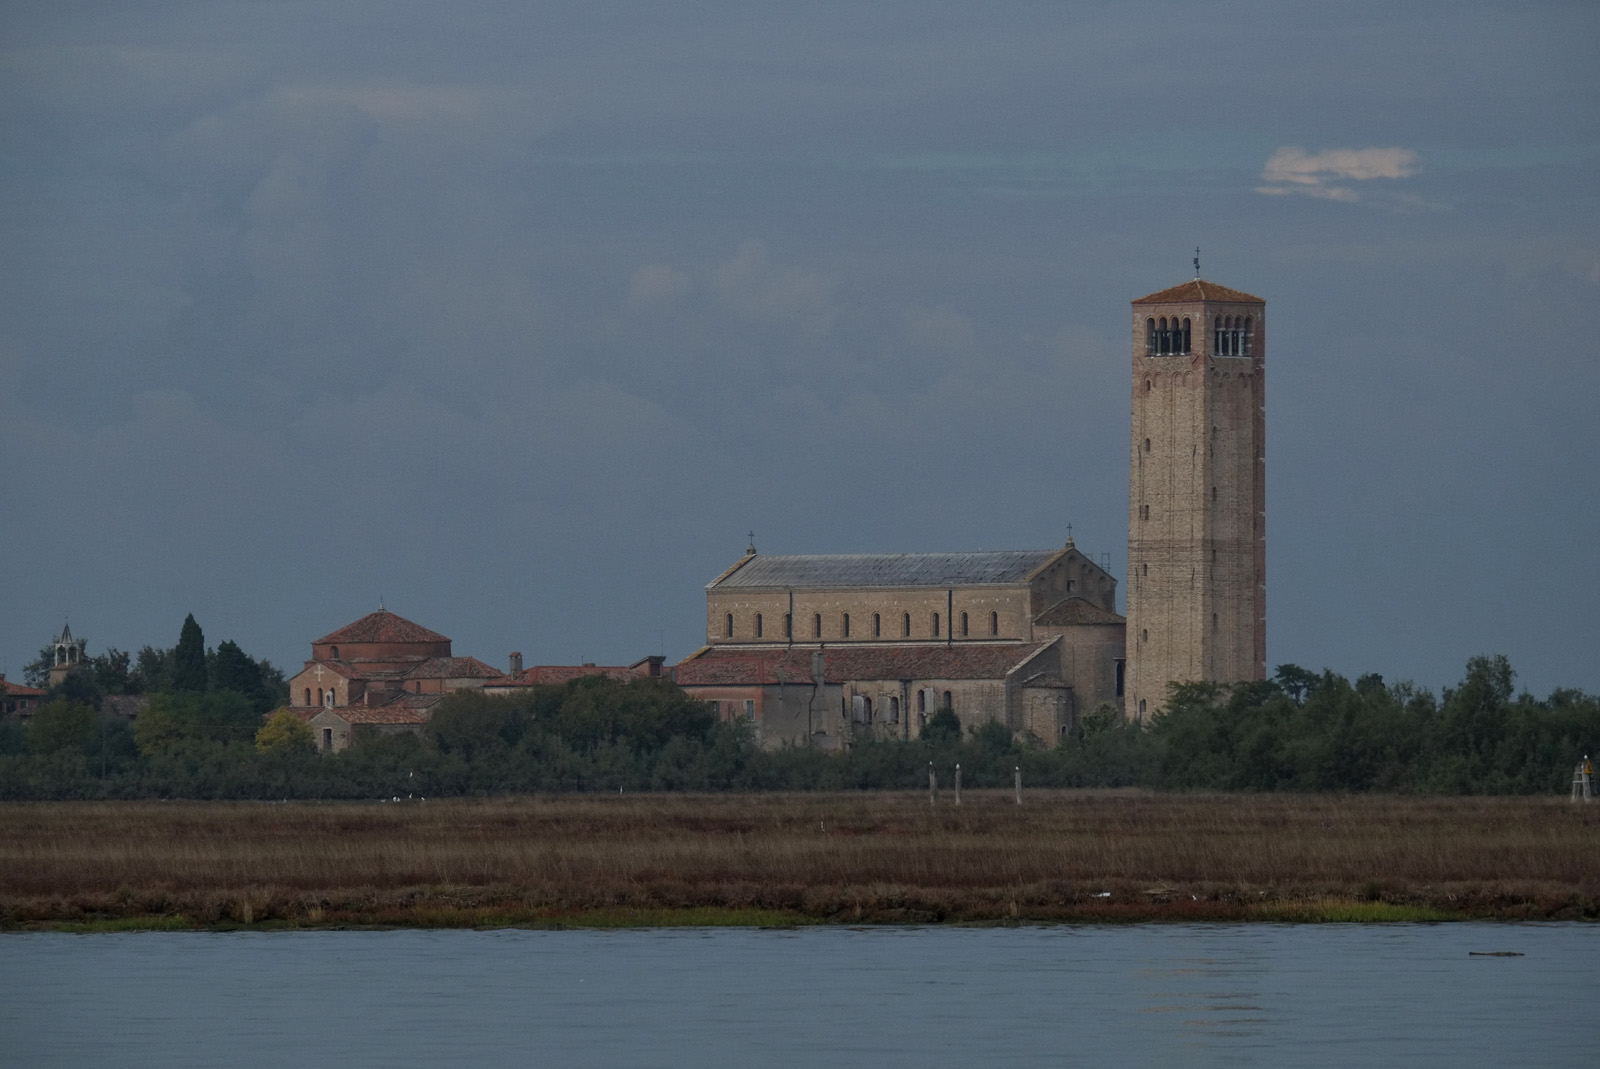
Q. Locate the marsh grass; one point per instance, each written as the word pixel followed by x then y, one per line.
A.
pixel 775 859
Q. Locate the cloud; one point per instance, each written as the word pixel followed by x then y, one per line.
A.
pixel 1294 170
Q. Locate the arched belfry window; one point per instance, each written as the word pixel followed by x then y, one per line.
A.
pixel 1150 336
pixel 1186 335
pixel 1244 338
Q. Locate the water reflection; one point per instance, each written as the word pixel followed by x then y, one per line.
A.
pixel 1190 995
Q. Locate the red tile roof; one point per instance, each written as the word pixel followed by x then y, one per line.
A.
pixel 382 626
pixel 1197 290
pixel 452 668
pixel 19 690
pixel 720 666
pixel 555 674
pixel 1076 611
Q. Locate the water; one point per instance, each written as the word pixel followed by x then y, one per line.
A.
pixel 1335 995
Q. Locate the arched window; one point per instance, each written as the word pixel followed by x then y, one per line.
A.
pixel 877 626
pixel 308 695
pixel 1141 708
pixel 333 651
pixel 935 625
pixel 1163 337
pixel 1216 337
pixel 866 709
pixel 994 623
pixel 922 701
pixel 948 704
pixel 908 625
pixel 1186 335
pixel 846 625
pixel 963 625
pixel 1150 337
pixel 1244 339
pixel 788 625
pixel 758 625
pixel 728 625
pixel 816 626
pixel 894 710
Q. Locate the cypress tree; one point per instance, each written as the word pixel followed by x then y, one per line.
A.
pixel 189 659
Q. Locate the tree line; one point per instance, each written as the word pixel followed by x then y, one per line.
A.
pixel 1299 731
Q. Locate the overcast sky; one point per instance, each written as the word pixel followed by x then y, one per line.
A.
pixel 519 316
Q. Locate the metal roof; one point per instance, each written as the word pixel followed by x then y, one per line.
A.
pixel 885 570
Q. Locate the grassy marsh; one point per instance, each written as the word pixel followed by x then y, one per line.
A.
pixel 768 859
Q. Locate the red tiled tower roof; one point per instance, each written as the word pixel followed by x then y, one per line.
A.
pixel 381 626
pixel 1199 290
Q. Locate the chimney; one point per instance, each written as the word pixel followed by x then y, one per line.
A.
pixel 654 671
pixel 516 664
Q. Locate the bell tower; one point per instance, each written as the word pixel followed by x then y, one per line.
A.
pixel 1197 551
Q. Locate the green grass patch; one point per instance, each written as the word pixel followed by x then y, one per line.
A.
pixel 1338 911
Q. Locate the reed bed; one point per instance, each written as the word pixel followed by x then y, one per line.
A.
pixel 796 858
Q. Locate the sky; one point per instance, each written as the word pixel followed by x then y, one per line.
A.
pixel 518 318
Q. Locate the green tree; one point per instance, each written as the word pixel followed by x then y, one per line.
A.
pixel 61 725
pixel 943 726
pixel 233 669
pixel 285 733
pixel 189 658
pixel 111 671
pixel 151 672
pixel 36 673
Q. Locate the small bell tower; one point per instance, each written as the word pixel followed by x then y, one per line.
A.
pixel 1197 558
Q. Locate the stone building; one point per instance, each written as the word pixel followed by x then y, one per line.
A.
pixel 69 656
pixel 378 675
pixel 824 650
pixel 1196 585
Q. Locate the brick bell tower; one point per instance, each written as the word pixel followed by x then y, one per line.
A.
pixel 1197 550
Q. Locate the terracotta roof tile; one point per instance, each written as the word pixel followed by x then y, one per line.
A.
pixel 720 666
pixel 382 626
pixel 1197 290
pixel 1076 611
pixel 20 690
pixel 452 668
pixel 556 674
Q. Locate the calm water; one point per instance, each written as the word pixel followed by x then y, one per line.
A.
pixel 1335 995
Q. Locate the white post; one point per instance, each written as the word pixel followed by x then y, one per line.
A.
pixel 958 783
pixel 933 785
pixel 1018 775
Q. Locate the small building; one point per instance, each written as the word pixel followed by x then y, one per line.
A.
pixel 336 729
pixel 17 699
pixel 545 675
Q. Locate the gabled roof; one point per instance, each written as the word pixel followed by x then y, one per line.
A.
pixel 382 626
pixel 452 668
pixel 403 709
pixel 338 668
pixel 719 666
pixel 1199 290
pixel 817 572
pixel 1076 611
pixel 20 690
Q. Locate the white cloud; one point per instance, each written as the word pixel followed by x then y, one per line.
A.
pixel 1294 170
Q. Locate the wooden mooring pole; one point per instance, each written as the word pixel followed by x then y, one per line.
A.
pixel 1017 776
pixel 958 783
pixel 933 785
